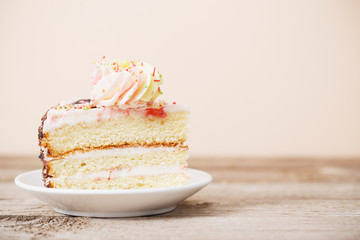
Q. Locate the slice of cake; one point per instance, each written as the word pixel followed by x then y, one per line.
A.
pixel 120 138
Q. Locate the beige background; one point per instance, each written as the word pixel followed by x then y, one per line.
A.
pixel 263 78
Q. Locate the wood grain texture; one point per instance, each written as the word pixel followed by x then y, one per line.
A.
pixel 264 198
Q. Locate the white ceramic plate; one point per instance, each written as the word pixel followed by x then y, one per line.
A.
pixel 112 203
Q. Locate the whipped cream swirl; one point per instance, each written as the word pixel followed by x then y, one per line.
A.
pixel 117 83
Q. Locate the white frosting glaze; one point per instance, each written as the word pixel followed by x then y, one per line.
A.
pixel 58 118
pixel 177 108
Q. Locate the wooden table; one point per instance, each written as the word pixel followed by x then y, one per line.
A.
pixel 298 198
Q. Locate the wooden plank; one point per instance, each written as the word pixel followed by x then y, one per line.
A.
pixel 251 209
pixel 249 199
pixel 13 198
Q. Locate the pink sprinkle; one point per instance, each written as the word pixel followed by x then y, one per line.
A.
pixel 110 174
pixel 174 102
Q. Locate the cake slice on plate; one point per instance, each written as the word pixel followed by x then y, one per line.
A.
pixel 120 138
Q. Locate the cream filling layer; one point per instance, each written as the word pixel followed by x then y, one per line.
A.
pixel 129 172
pixel 58 118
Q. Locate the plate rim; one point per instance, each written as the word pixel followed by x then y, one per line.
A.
pixel 202 183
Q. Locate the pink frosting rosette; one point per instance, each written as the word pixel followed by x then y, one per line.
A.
pixel 116 83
